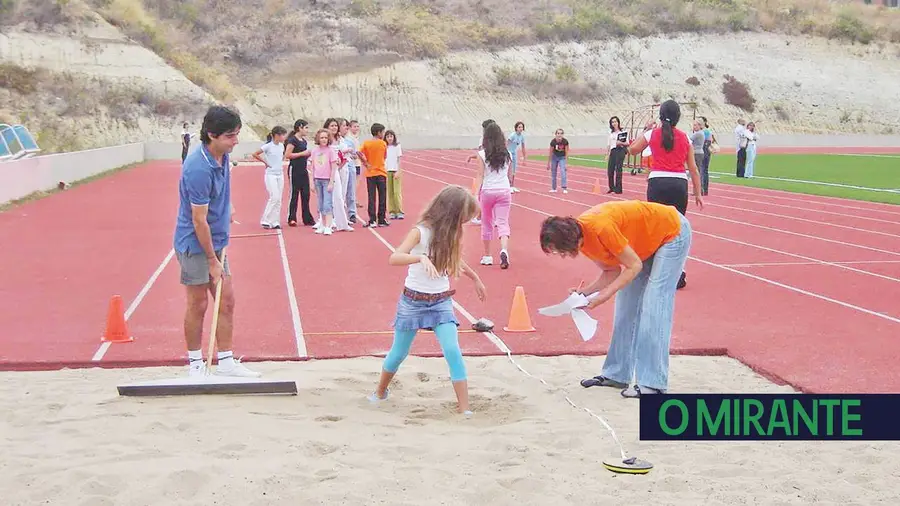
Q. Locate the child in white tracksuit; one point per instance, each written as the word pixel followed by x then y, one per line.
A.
pixel 273 151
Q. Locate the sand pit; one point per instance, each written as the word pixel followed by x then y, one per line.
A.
pixel 69 439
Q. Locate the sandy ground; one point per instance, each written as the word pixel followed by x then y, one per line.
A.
pixel 69 439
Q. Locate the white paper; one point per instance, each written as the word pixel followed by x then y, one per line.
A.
pixel 586 325
pixel 574 300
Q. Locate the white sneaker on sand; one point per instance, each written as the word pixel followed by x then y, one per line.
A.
pixel 237 370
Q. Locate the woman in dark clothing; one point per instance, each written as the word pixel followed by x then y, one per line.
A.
pixel 297 152
pixel 618 148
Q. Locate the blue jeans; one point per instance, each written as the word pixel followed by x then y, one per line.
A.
pixel 351 191
pixel 751 158
pixel 560 163
pixel 644 312
pixel 324 197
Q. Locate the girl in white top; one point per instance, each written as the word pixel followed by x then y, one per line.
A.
pixel 273 151
pixel 392 165
pixel 496 194
pixel 433 250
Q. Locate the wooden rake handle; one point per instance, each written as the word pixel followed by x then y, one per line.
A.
pixel 215 319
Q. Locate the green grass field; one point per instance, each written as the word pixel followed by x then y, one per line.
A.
pixel 860 177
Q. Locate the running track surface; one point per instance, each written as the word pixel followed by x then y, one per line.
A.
pixel 803 289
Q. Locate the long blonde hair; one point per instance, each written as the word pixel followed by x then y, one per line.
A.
pixel 444 216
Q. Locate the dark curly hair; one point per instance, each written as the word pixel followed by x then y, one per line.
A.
pixel 561 234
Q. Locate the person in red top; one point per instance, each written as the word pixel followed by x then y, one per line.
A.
pixel 671 151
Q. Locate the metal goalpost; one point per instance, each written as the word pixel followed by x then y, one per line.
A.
pixel 638 118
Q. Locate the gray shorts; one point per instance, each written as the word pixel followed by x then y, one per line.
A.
pixel 195 267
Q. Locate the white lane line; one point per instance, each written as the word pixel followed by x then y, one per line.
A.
pixel 104 347
pixel 292 299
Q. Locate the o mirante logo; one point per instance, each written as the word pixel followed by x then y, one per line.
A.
pixel 769 416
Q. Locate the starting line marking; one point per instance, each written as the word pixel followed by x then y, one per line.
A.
pixel 373 332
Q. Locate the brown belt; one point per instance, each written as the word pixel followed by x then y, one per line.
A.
pixel 427 297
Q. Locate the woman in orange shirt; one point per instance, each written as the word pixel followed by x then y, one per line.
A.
pixel 651 241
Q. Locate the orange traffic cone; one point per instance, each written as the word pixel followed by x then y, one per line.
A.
pixel 597 188
pixel 116 328
pixel 519 320
pixel 476 184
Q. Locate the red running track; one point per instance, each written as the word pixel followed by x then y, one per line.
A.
pixel 794 296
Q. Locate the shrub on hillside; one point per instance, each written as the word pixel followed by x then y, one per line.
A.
pixel 693 81
pixel 737 94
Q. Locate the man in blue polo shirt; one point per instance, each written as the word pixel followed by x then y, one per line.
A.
pixel 201 232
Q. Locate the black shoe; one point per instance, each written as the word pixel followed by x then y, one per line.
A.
pixel 682 282
pixel 352 219
pixel 383 224
pixel 504 260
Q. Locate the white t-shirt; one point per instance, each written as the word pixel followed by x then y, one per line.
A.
pixel 614 137
pixel 392 162
pixel 416 277
pixel 494 180
pixel 273 154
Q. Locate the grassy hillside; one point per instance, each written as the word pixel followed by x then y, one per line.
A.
pixel 223 45
pixel 276 58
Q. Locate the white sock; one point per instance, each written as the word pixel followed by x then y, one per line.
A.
pixel 226 358
pixel 195 356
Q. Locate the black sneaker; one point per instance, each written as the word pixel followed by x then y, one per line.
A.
pixel 383 224
pixel 682 282
pixel 352 219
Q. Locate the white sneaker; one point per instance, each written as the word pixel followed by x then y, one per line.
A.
pixel 237 370
pixel 476 221
pixel 487 260
pixel 552 190
pixel 514 189
pixel 197 369
pixel 327 231
pixel 565 191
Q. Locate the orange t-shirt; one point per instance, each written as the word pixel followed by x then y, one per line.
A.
pixel 609 227
pixel 375 151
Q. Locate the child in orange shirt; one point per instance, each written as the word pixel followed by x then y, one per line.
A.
pixel 373 153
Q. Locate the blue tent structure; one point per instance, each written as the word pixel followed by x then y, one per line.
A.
pixel 16 142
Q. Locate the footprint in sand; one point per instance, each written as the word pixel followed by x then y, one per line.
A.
pixel 423 377
pixel 329 418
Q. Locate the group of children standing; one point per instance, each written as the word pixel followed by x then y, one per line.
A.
pixel 330 165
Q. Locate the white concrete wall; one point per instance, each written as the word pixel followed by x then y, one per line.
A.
pixel 41 173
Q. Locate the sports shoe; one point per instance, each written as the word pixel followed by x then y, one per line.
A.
pixel 197 368
pixel 237 370
pixel 487 260
pixel 504 259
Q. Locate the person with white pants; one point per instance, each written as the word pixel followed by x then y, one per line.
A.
pixel 273 158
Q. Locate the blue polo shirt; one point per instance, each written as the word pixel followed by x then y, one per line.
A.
pixel 203 182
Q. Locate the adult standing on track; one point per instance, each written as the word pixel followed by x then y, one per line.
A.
pixel 671 150
pixel 202 230
pixel 652 242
